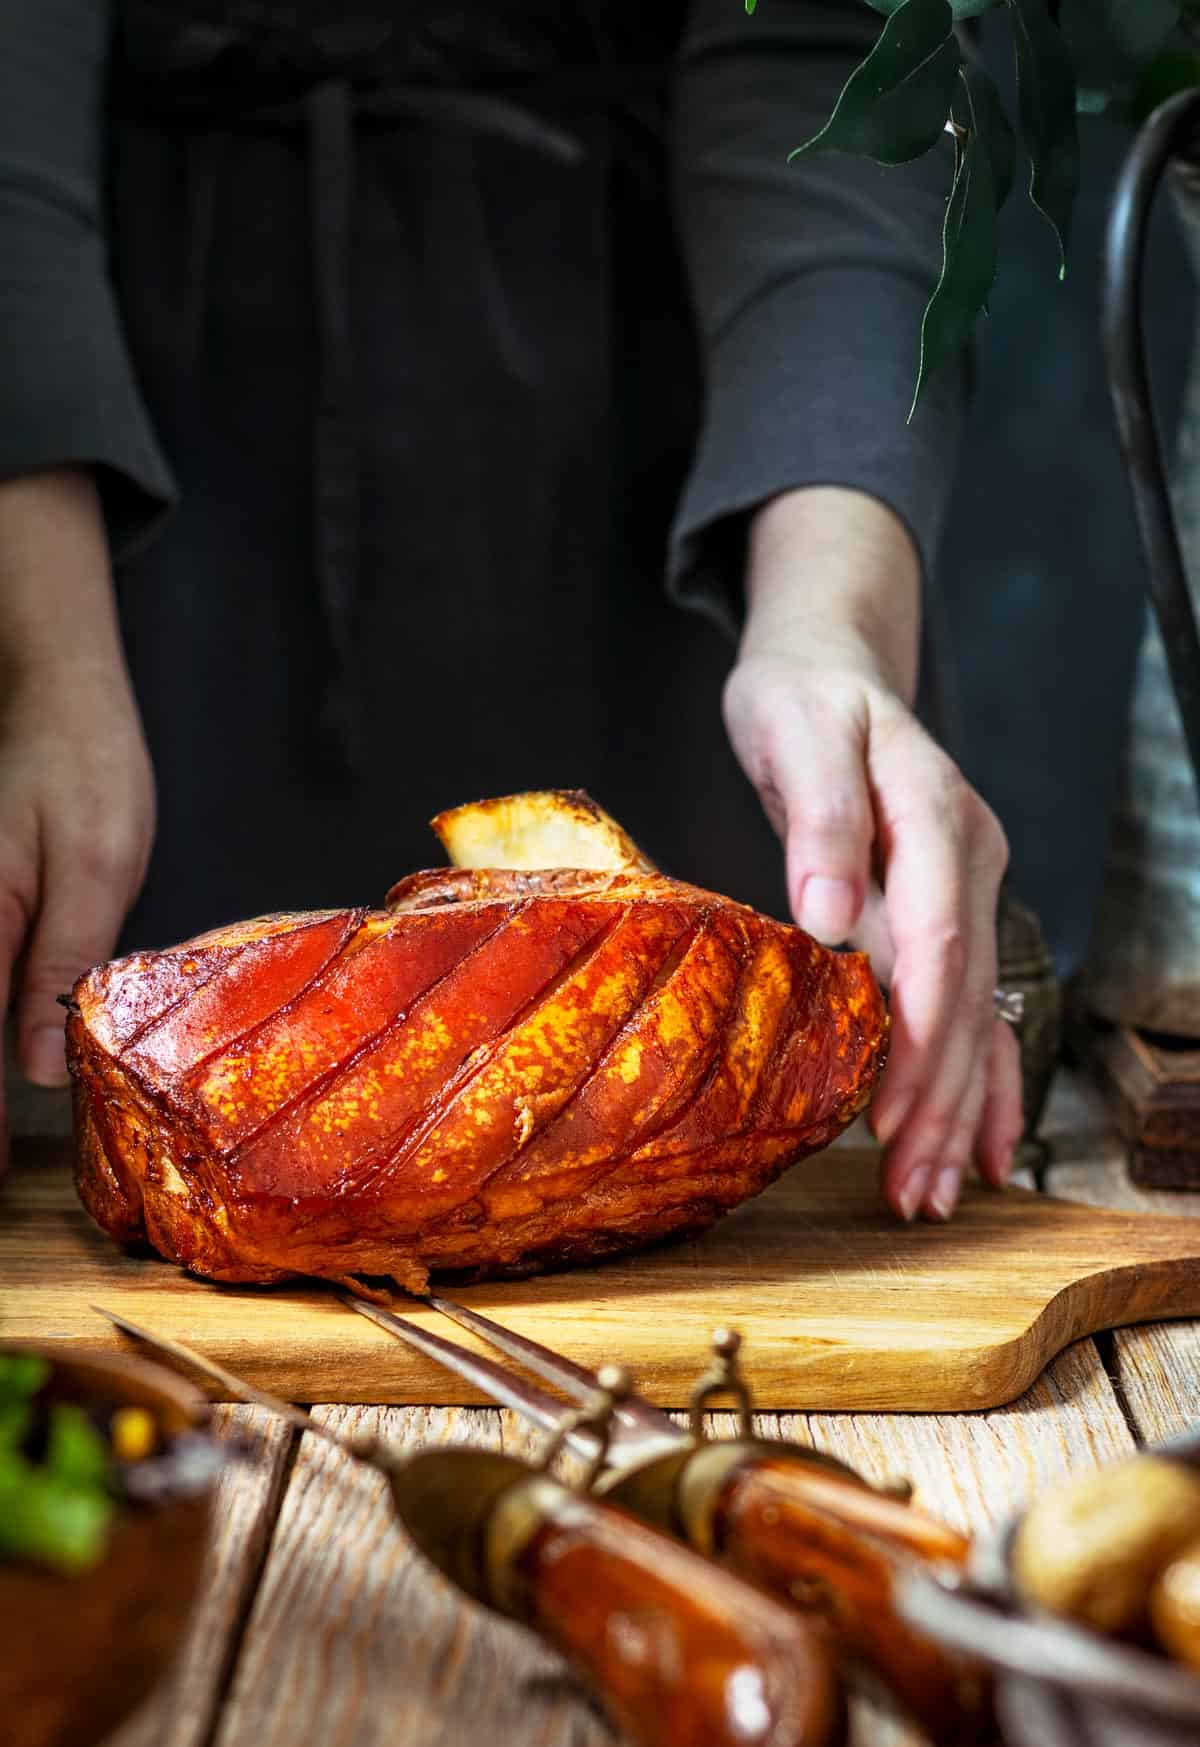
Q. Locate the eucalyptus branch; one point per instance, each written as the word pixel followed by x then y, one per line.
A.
pixel 916 85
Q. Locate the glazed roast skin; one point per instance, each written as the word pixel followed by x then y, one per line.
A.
pixel 502 1072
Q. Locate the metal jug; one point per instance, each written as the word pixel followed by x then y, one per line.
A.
pixel 1144 963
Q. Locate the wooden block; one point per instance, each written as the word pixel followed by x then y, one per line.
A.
pixel 1153 1089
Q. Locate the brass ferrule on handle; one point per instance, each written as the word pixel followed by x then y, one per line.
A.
pixel 516 1520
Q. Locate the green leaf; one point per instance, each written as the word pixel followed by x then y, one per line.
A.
pixel 42 1519
pixel 21 1375
pixel 968 251
pixel 16 1417
pixel 987 114
pixel 1114 47
pixel 1109 44
pixel 1174 70
pixel 960 8
pixel 894 105
pixel 76 1454
pixel 1046 97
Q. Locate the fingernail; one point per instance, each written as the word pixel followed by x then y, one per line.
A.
pixel 890 1121
pixel 944 1194
pixel 43 1058
pixel 828 907
pixel 908 1196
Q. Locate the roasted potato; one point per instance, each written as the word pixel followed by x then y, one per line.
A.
pixel 1175 1607
pixel 1095 1548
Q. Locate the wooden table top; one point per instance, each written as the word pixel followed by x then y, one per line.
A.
pixel 320 1627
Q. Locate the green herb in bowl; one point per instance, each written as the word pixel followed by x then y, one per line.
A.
pixel 56 1472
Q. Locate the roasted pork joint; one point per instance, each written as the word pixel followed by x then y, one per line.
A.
pixel 509 1069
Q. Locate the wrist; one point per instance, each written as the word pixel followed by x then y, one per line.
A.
pixel 57 609
pixel 833 580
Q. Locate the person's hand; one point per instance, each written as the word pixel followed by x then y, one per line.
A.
pixel 886 844
pixel 76 789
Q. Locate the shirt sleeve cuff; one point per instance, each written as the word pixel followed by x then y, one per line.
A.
pixel 787 408
pixel 70 398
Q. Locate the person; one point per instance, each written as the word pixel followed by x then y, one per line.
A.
pixel 360 364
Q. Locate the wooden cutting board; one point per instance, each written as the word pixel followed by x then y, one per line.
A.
pixel 840 1306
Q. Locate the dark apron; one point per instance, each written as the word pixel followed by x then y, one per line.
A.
pixel 406 307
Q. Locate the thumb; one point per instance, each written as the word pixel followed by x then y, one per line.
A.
pixel 820 774
pixel 76 928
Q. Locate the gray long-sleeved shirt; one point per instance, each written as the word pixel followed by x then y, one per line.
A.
pixel 808 282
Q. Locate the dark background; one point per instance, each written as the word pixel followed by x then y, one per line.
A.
pixel 1041 586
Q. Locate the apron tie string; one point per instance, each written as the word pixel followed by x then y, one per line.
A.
pixel 336 490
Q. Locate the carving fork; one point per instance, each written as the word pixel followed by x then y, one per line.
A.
pixel 794 1520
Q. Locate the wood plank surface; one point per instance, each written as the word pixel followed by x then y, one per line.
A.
pixel 842 1307
pixel 353 1633
pixel 1157 1367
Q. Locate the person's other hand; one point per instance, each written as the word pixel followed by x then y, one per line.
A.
pixel 76 788
pixel 886 844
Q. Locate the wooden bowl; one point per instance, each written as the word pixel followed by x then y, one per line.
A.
pixel 81 1651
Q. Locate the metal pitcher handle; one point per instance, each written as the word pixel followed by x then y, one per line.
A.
pixel 1172 128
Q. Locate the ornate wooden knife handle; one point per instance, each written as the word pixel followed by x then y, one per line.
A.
pixel 686 1654
pixel 836 1547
